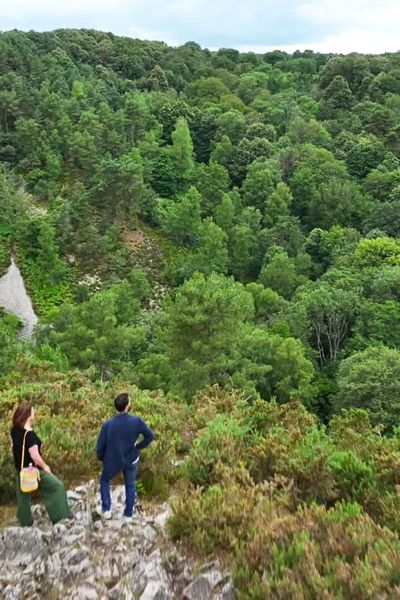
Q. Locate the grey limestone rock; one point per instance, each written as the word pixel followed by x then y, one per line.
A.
pixel 20 546
pixel 14 298
pixel 87 558
pixel 201 588
pixel 155 590
pixel 228 591
pixel 161 519
pixel 150 571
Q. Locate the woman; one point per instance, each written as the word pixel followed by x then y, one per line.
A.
pixel 51 489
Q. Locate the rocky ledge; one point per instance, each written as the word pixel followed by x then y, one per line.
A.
pixel 87 558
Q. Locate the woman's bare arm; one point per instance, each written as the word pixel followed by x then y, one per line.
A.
pixel 37 459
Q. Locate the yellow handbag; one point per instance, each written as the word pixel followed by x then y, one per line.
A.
pixel 29 476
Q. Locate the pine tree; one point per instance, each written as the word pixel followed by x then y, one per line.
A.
pixel 182 152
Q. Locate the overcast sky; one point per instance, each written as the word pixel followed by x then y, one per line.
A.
pixel 258 25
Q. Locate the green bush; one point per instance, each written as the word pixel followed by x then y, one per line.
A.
pixel 222 441
pixel 352 475
pixel 69 412
pixel 221 517
pixel 319 553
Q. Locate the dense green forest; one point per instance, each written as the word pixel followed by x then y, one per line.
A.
pixel 220 233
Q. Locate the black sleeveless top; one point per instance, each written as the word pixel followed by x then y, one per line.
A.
pixel 17 436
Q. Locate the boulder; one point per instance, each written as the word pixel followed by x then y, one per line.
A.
pixel 202 587
pixel 228 591
pixel 20 546
pixel 161 519
pixel 155 590
pixel 150 571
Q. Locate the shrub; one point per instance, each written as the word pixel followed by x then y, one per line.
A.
pixel 223 516
pixel 69 412
pixel 352 475
pixel 222 441
pixel 319 553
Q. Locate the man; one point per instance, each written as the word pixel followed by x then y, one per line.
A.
pixel 118 449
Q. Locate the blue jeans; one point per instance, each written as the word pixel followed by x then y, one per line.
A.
pixel 130 490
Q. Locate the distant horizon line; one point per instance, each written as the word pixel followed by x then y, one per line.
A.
pixel 257 49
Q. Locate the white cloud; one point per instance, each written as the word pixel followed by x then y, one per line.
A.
pixel 143 33
pixel 353 13
pixel 21 9
pixel 363 41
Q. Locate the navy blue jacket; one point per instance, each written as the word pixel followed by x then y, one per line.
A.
pixel 116 446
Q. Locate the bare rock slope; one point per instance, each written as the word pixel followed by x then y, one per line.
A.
pixel 14 299
pixel 87 558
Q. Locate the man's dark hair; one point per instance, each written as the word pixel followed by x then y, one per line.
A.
pixel 121 402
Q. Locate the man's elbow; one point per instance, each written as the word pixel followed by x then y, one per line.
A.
pixel 150 438
pixel 148 435
pixel 100 453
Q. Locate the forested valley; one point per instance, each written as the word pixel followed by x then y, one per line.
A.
pixel 217 233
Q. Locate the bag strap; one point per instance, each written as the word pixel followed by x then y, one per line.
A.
pixel 23 452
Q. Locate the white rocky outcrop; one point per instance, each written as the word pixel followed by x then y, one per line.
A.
pixel 87 558
pixel 14 299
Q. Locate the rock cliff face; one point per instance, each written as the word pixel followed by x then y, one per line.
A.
pixel 87 558
pixel 14 298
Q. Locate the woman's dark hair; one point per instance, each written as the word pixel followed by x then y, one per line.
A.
pixel 121 402
pixel 22 414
